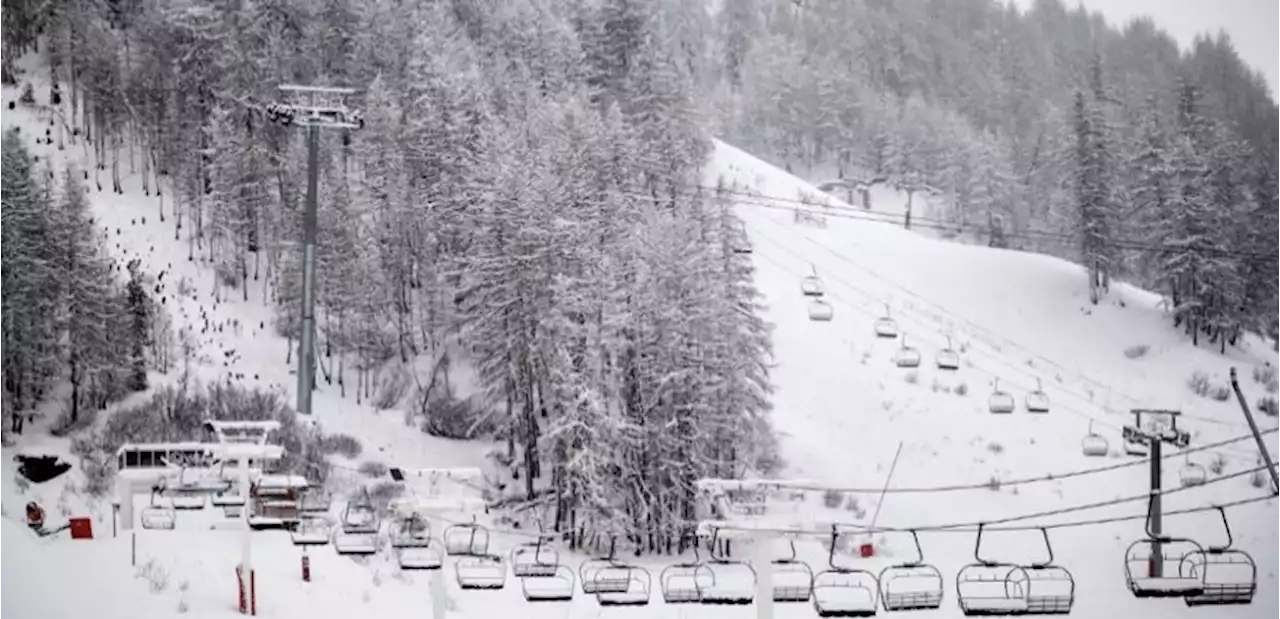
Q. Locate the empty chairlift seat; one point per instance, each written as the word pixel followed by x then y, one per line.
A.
pixel 1192 474
pixel 911 585
pixel 1037 401
pixel 1229 576
pixel 842 591
pixel 1160 566
pixel 158 517
pixel 415 549
pixel 623 585
pixel 311 531
pixel 1093 444
pixel 614 582
pixel 557 585
pixel 811 286
pixel 792 578
pixel 466 540
pixel 534 559
pixel 991 589
pixel 886 327
pixel 820 311
pixel 906 357
pixel 948 359
pixel 480 572
pixel 723 580
pixel 682 583
pixel 1000 403
pixel 358 531
pixel 998 588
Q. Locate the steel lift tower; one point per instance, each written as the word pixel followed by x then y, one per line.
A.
pixel 314 108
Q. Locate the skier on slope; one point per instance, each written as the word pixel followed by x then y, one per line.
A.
pixel 35 517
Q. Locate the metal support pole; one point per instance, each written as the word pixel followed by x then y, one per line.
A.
pixel 1156 567
pixel 436 586
pixel 310 225
pixel 763 565
pixel 246 548
pixel 1257 435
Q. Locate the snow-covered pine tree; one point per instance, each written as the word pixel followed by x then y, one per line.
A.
pixel 90 298
pixel 1150 188
pixel 139 337
pixel 1092 179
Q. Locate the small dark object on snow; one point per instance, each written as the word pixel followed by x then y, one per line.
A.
pixel 86 175
pixel 39 469
pixel 12 104
pixel 76 131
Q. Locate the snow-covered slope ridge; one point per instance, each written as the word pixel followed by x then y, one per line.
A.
pixel 841 405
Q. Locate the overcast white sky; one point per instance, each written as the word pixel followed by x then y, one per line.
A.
pixel 1254 25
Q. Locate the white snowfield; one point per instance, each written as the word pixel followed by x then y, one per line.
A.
pixel 841 408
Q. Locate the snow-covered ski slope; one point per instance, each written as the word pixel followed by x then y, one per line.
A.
pixel 841 406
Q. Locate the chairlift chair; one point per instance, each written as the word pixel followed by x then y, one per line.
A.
pixel 532 560
pixel 415 549
pixel 1093 444
pixel 885 326
pixel 227 498
pixel 358 531
pixel 906 357
pixel 1230 576
pixel 911 585
pixel 480 572
pixel 792 578
pixel 811 285
pixel 159 517
pixel 310 531
pixel 987 587
pixel 841 591
pixel 1037 401
pixel 468 539
pixel 681 583
pixel 359 516
pixel 1192 474
pixel 624 585
pixel 820 311
pixel 948 359
pixel 1000 403
pixel 1050 588
pixel 188 494
pixel 555 584
pixel 592 573
pixel 615 582
pixel 314 500
pixel 725 581
pixel 1157 566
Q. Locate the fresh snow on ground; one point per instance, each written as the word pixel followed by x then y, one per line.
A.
pixel 841 408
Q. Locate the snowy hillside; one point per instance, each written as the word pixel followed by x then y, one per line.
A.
pixel 841 407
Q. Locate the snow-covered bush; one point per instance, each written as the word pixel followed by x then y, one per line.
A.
pixel 372 468
pixel 1135 352
pixel 1267 405
pixel 1265 375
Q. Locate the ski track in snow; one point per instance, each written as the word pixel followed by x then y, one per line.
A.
pixel 840 407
